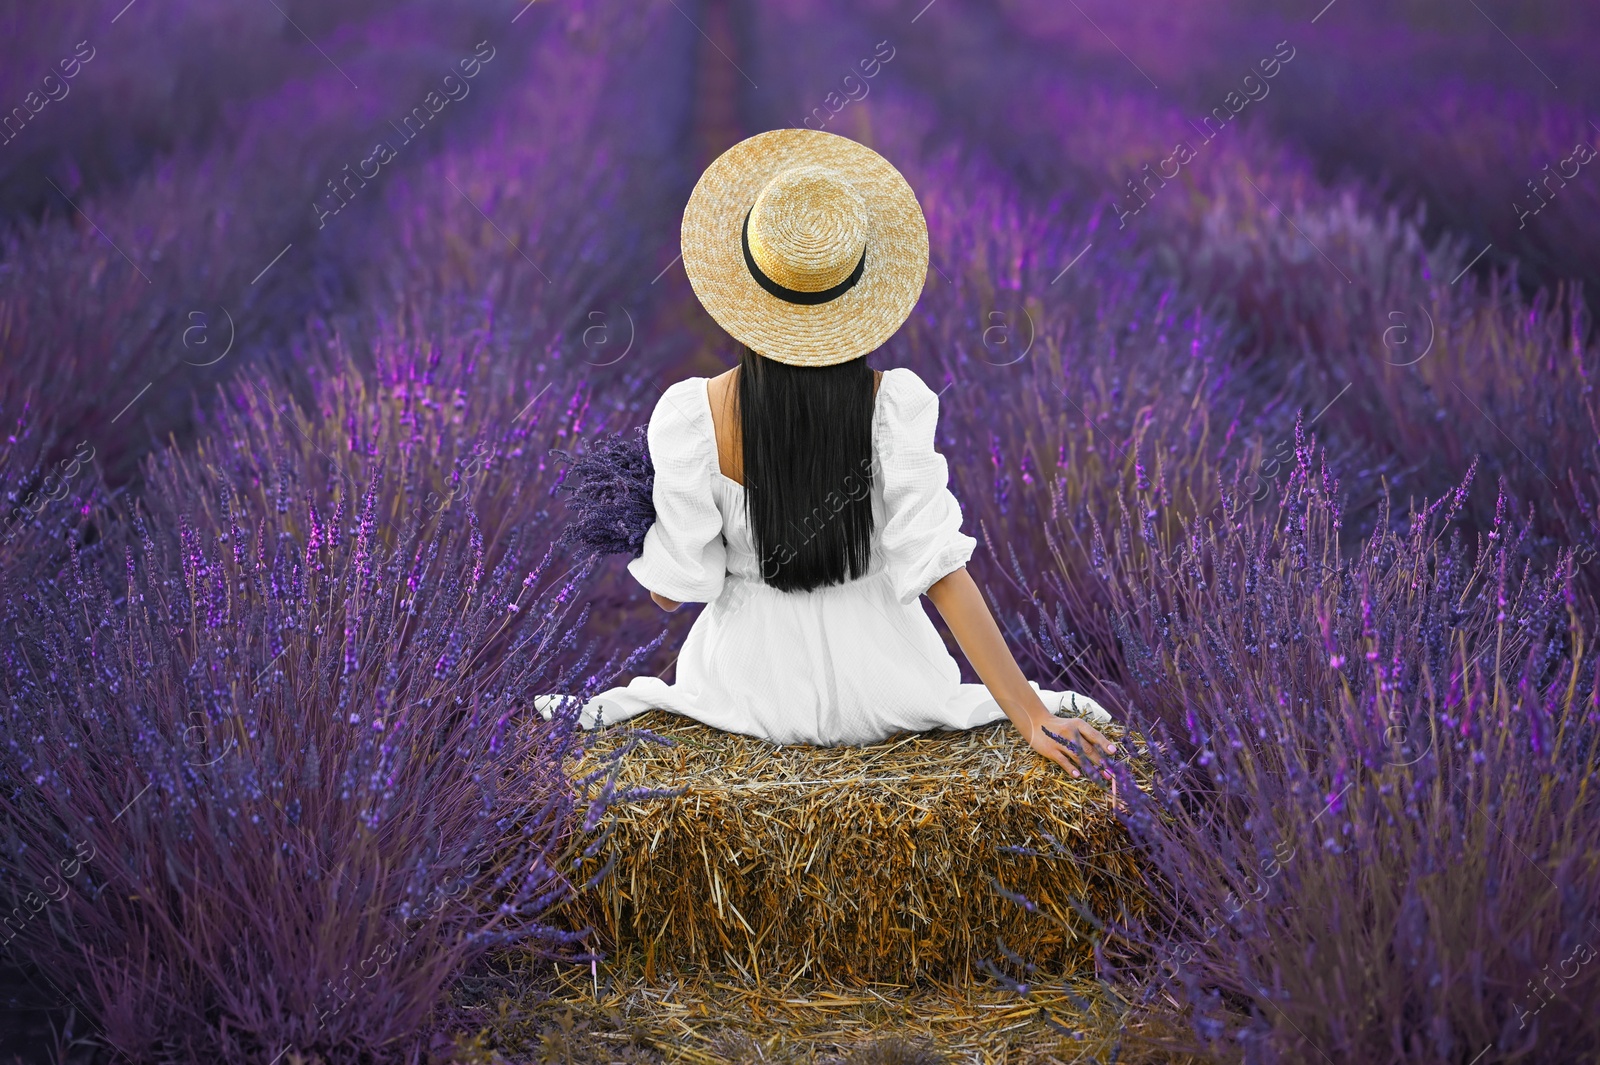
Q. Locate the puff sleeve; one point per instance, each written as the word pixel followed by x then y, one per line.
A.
pixel 684 556
pixel 922 537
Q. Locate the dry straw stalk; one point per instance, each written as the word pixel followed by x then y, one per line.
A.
pixel 699 1020
pixel 850 864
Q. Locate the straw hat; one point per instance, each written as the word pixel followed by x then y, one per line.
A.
pixel 805 245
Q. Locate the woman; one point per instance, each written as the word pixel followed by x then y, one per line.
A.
pixel 800 494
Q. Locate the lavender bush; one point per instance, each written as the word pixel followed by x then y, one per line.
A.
pixel 459 426
pixel 175 280
pixel 1480 123
pixel 1373 785
pixel 502 217
pixel 395 530
pixel 162 79
pixel 278 684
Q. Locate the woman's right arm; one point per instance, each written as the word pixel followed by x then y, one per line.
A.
pixel 961 605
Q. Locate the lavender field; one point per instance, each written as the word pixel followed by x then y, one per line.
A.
pixel 1267 377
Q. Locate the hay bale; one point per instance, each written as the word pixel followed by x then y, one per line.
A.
pixel 854 864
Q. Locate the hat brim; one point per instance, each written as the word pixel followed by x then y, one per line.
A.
pixel 820 334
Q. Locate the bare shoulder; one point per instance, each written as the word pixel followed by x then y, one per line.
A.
pixel 722 386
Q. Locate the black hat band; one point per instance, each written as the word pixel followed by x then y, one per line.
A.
pixel 793 295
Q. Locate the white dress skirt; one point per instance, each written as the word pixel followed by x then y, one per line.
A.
pixel 847 664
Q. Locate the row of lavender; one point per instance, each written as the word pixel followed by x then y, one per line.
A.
pixel 1347 311
pixel 1364 666
pixel 1476 112
pixel 270 781
pixel 146 290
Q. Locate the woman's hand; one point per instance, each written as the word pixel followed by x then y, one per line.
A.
pixel 1088 740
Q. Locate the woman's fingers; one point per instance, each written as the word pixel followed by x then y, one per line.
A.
pixel 1070 734
pixel 1093 736
pixel 1099 739
pixel 1088 750
pixel 1065 755
pixel 1071 741
pixel 1072 760
pixel 1047 746
pixel 1077 741
pixel 1067 759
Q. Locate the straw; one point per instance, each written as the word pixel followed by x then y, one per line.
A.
pixel 851 864
pixel 706 1019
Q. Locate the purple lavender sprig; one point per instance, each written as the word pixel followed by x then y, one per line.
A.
pixel 611 486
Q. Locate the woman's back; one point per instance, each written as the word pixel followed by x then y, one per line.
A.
pixel 703 533
pixel 813 513
pixel 723 392
pixel 850 662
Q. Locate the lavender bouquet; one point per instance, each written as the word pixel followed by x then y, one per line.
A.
pixel 611 486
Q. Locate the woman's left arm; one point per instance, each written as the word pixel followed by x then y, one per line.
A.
pixel 669 605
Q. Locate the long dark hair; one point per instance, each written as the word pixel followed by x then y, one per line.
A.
pixel 807 445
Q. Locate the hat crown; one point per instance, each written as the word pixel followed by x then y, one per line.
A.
pixel 808 228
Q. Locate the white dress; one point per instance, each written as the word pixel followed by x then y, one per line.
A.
pixel 852 663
